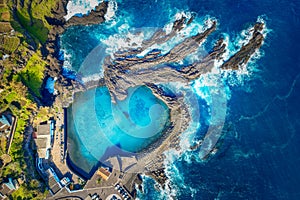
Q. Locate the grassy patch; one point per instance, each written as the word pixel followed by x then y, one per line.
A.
pixel 24 193
pixel 35 27
pixel 3 143
pixel 40 9
pixel 5 16
pixel 10 44
pixel 32 75
pixel 34 19
pixel 11 97
pixel 5 27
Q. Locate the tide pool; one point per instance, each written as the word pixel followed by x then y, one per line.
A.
pixel 98 129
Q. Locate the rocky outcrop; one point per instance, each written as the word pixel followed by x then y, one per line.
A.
pixel 244 54
pixel 51 49
pixel 127 69
pixel 96 16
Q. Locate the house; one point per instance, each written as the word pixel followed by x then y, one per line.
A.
pixel 104 173
pixel 5 124
pixel 42 140
pixel 53 181
pixel 7 188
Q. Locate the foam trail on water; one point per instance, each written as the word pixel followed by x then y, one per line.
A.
pixel 123 41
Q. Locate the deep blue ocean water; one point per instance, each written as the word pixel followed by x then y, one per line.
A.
pixel 258 155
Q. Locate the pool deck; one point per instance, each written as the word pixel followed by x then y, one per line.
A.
pixel 104 189
pixel 124 169
pixel 59 149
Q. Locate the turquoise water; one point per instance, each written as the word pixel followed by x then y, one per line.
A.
pixel 258 155
pixel 99 129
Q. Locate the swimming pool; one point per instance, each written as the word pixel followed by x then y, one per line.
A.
pixel 98 129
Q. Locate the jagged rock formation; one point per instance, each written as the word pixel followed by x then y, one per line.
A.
pixel 96 16
pixel 244 54
pixel 126 69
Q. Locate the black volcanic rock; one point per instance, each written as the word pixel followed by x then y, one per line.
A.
pixel 96 16
pixel 243 55
pixel 51 49
pixel 127 69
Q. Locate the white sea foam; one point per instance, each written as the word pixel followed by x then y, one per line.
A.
pixel 194 28
pixel 226 54
pixel 168 27
pixel 210 87
pixel 111 10
pixel 67 60
pixel 93 77
pixel 80 7
pixel 123 41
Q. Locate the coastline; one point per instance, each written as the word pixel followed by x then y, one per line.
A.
pixel 151 159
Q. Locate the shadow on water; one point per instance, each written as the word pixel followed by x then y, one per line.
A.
pixel 113 151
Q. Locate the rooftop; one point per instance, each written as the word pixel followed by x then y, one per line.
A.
pixel 53 185
pixel 4 120
pixel 104 173
pixel 43 130
pixel 53 182
pixel 7 188
pixel 41 143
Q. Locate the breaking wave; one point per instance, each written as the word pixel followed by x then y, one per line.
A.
pixel 212 89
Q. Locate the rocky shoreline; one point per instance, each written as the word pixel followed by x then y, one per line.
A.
pixel 51 49
pixel 127 70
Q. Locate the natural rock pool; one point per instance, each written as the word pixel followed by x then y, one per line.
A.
pixel 97 128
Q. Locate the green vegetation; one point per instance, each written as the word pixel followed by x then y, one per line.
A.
pixel 3 143
pixel 20 81
pixel 5 16
pixel 98 181
pixel 34 26
pixel 10 44
pixel 4 12
pixel 31 15
pixel 17 92
pixel 5 27
pixel 32 75
pixel 24 193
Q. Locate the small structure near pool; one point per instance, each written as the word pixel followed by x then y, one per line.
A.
pixel 104 173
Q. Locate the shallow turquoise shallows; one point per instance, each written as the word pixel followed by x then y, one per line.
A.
pixel 98 129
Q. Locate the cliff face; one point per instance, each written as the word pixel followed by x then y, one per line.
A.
pixel 64 86
pixel 96 16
